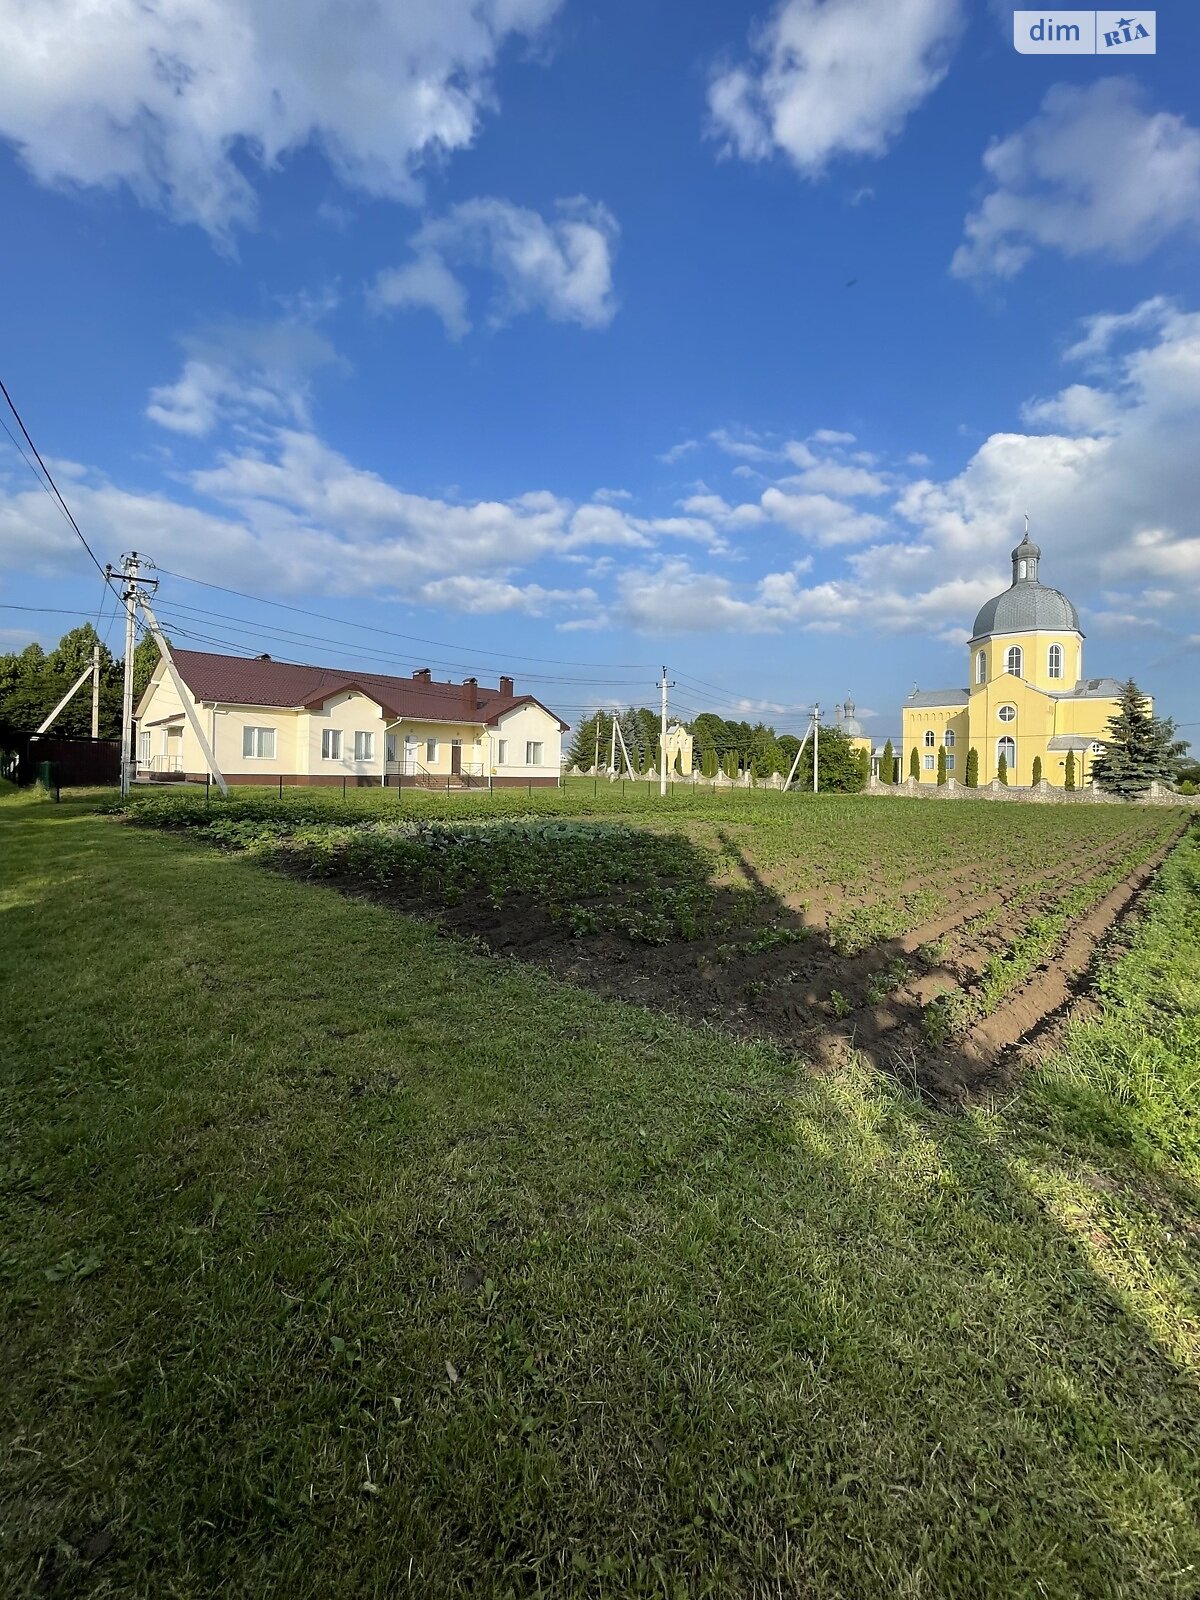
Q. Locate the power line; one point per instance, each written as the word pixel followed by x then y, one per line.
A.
pixel 50 480
pixel 391 633
pixel 173 608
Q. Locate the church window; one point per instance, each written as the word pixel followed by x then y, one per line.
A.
pixel 949 738
pixel 981 667
pixel 1055 665
pixel 1024 569
pixel 1007 747
pixel 1014 660
pixel 930 741
pixel 1007 713
pixel 949 763
pixel 1097 749
pixel 929 763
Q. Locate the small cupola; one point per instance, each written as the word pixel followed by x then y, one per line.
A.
pixel 1025 560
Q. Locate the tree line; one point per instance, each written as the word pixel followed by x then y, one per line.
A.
pixel 33 681
pixel 718 745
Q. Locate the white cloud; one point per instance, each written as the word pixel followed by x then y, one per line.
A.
pixel 561 266
pixel 833 77
pixel 1077 409
pixel 177 99
pixel 611 496
pixel 820 518
pixel 835 477
pixel 830 436
pixel 1091 173
pixel 427 281
pixel 479 595
pixel 244 370
pixel 678 451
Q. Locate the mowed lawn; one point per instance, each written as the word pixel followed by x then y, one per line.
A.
pixel 340 1258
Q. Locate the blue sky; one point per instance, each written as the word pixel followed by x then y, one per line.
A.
pixel 578 337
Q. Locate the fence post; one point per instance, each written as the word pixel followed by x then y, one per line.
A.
pixel 281 785
pixel 207 787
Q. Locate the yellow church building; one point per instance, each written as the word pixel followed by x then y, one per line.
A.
pixel 1027 698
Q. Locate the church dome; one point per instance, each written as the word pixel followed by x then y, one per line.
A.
pixel 851 726
pixel 1027 603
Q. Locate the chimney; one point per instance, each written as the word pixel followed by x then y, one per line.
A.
pixel 506 686
pixel 469 687
pixel 423 675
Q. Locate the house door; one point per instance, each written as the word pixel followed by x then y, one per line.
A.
pixel 455 758
pixel 174 750
pixel 410 754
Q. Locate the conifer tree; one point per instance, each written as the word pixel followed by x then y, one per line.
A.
pixel 972 769
pixel 1037 770
pixel 941 770
pixel 1002 769
pixel 1069 780
pixel 1139 747
pixel 887 767
pixel 914 765
pixel 864 766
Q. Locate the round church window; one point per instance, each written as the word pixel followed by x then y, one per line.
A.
pixel 1007 713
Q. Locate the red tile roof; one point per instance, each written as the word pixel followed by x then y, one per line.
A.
pixel 234 680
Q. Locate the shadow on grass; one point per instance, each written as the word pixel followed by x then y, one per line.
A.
pixel 421 1274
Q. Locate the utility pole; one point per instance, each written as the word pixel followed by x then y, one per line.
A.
pixel 596 762
pixel 816 742
pixel 129 596
pixel 612 764
pixel 95 691
pixel 662 747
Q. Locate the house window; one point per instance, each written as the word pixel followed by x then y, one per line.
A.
pixel 258 744
pixel 391 747
pixel 143 749
pixel 981 667
pixel 949 763
pixel 501 752
pixel 331 744
pixel 1007 713
pixel 1097 749
pixel 1014 661
pixel 364 747
pixel 533 753
pixel 1055 663
pixel 949 738
pixel 431 750
pixel 929 763
pixel 1007 747
pixel 930 741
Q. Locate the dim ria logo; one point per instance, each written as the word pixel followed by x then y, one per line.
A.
pixel 1084 33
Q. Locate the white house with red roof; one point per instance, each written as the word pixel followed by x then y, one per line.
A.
pixel 269 720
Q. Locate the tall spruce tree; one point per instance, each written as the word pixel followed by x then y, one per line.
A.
pixel 972 768
pixel 1037 770
pixel 1002 769
pixel 914 765
pixel 864 766
pixel 1139 748
pixel 1069 778
pixel 941 770
pixel 887 767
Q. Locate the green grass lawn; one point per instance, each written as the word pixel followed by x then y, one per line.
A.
pixel 341 1259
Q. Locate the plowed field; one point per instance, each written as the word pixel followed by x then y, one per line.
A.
pixel 934 939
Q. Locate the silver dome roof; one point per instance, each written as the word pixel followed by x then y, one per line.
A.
pixel 1026 604
pixel 850 725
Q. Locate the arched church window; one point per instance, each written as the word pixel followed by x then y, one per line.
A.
pixel 1007 713
pixel 1007 747
pixel 1055 663
pixel 981 667
pixel 948 741
pixel 1024 569
pixel 1014 660
pixel 930 741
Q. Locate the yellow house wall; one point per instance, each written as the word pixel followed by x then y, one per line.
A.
pixel 1035 663
pixel 518 727
pixel 229 723
pixel 917 721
